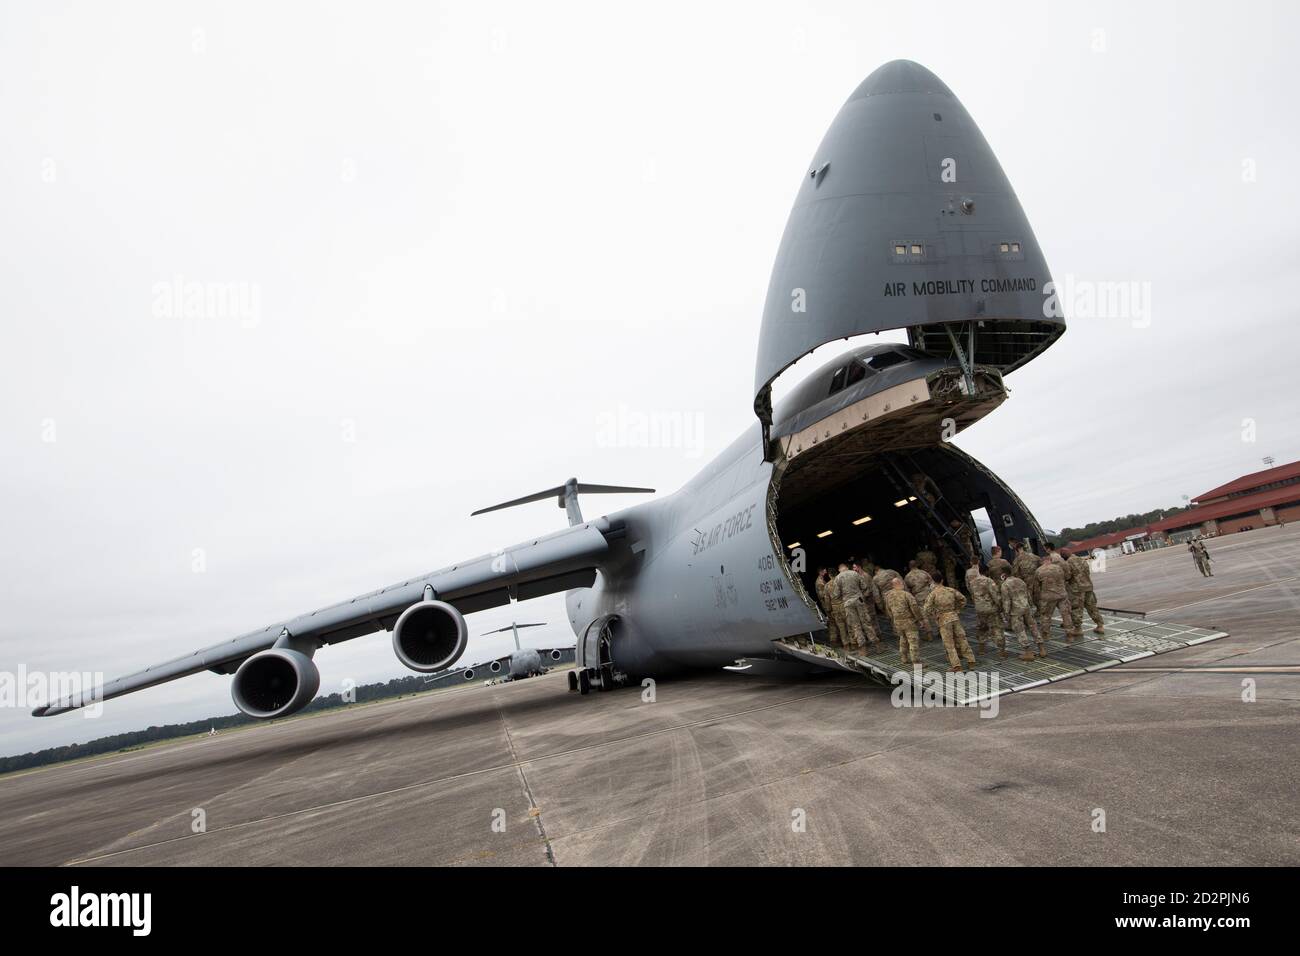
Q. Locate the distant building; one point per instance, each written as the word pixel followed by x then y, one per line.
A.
pixel 1251 501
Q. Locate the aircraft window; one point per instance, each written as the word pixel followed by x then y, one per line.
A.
pixel 885 360
pixel 900 250
pixel 916 250
pixel 1015 247
pixel 1005 247
pixel 837 381
pixel 857 372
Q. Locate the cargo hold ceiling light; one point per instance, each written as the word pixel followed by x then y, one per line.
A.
pixel 792 545
pixel 825 534
pixel 863 520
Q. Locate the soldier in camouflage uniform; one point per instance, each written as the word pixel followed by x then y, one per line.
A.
pixel 987 596
pixel 1201 555
pixel 834 635
pixel 927 561
pixel 905 614
pixel 920 582
pixel 848 590
pixel 1025 567
pixel 944 603
pixel 1082 596
pixel 1020 616
pixel 1052 593
pixel 999 567
pixel 1054 554
pixel 949 564
pixel 870 602
pixel 881 579
pixel 967 539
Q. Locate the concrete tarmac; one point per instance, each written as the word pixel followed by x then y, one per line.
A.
pixel 725 769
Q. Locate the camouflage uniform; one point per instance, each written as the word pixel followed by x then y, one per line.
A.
pixel 944 603
pixel 847 588
pixel 905 615
pixel 967 539
pixel 949 565
pixel 987 596
pixel 882 580
pixel 834 634
pixel 1202 558
pixel 1020 617
pixel 871 601
pixel 999 568
pixel 1052 594
pixel 1082 595
pixel 1025 568
pixel 925 558
pixel 921 584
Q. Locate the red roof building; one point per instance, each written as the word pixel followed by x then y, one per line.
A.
pixel 1266 497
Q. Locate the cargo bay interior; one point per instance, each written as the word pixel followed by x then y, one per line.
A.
pixel 835 504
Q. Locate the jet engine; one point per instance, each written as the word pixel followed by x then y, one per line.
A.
pixel 275 683
pixel 430 636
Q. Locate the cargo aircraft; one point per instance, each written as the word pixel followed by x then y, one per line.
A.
pixel 903 220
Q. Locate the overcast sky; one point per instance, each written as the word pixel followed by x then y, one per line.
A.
pixel 468 244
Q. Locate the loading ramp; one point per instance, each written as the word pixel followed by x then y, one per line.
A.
pixel 1129 636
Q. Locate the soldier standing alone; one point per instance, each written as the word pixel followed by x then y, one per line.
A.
pixel 1201 556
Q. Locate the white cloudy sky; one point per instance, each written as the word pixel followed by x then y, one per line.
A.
pixel 477 234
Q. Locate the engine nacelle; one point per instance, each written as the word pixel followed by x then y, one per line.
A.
pixel 430 636
pixel 275 683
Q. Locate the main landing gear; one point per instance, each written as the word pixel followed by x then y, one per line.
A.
pixel 586 679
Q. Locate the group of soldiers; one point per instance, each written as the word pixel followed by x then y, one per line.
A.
pixel 1005 594
pixel 1201 556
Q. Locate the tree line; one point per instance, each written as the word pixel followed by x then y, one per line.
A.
pixel 1066 535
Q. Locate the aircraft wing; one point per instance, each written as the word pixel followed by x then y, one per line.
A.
pixel 557 562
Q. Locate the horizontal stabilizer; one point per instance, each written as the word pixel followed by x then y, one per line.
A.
pixel 566 496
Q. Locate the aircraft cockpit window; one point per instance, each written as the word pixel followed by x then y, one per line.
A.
pixel 885 360
pixel 851 374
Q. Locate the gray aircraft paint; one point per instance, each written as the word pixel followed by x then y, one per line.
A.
pixel 696 579
pixel 904 164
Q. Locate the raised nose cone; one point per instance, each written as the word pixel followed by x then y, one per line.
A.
pixel 900 76
pixel 904 219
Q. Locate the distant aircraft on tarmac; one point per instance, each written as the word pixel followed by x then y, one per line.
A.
pixel 521 663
